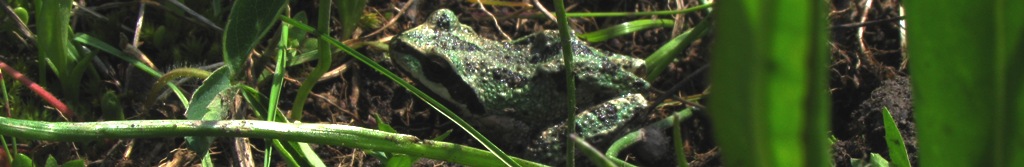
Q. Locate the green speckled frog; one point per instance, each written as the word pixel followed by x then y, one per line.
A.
pixel 514 91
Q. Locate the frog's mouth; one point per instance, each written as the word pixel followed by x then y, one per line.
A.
pixel 440 79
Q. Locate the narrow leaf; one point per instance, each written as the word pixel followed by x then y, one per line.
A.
pixel 893 139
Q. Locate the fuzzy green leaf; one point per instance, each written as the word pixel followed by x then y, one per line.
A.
pixel 206 96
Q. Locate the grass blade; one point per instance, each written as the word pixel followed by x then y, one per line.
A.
pixel 624 29
pixel 968 108
pixel 659 60
pixel 591 153
pixel 768 70
pixel 52 28
pixel 99 44
pixel 570 80
pixel 332 134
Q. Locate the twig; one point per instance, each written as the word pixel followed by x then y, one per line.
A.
pixel 861 24
pixel 138 24
pixel 860 34
pixel 544 10
pixel 64 111
pixel 496 25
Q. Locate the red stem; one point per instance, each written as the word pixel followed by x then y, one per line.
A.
pixel 39 90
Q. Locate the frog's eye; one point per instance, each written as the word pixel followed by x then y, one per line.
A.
pixel 444 19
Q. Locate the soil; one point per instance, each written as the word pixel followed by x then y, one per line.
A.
pixel 867 72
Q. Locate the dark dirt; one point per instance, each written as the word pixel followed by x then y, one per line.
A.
pixel 862 80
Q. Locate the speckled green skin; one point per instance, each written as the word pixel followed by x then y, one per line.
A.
pixel 515 91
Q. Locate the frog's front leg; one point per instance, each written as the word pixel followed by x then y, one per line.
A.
pixel 598 124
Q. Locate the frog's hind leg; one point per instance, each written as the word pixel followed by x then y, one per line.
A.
pixel 598 125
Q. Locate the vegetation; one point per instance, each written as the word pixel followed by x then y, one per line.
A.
pixel 105 77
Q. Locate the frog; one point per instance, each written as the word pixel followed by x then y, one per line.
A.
pixel 515 90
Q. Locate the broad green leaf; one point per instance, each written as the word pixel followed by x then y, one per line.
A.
pixel 248 22
pixel 400 160
pixel 769 75
pixel 51 162
pixel 74 163
pixel 894 140
pixel 206 96
pixel 876 160
pixel 968 81
pixel 22 160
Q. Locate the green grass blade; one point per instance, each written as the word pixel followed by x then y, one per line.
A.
pixel 659 60
pixel 99 44
pixel 323 64
pixel 332 134
pixel 628 14
pixel 677 144
pixel 968 107
pixel 591 153
pixel 275 86
pixel 768 70
pixel 103 46
pixel 894 140
pixel 309 155
pixel 625 29
pixel 324 53
pixel 287 156
pixel 248 22
pixel 52 29
pixel 570 80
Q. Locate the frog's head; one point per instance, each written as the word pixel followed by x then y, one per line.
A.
pixel 431 54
